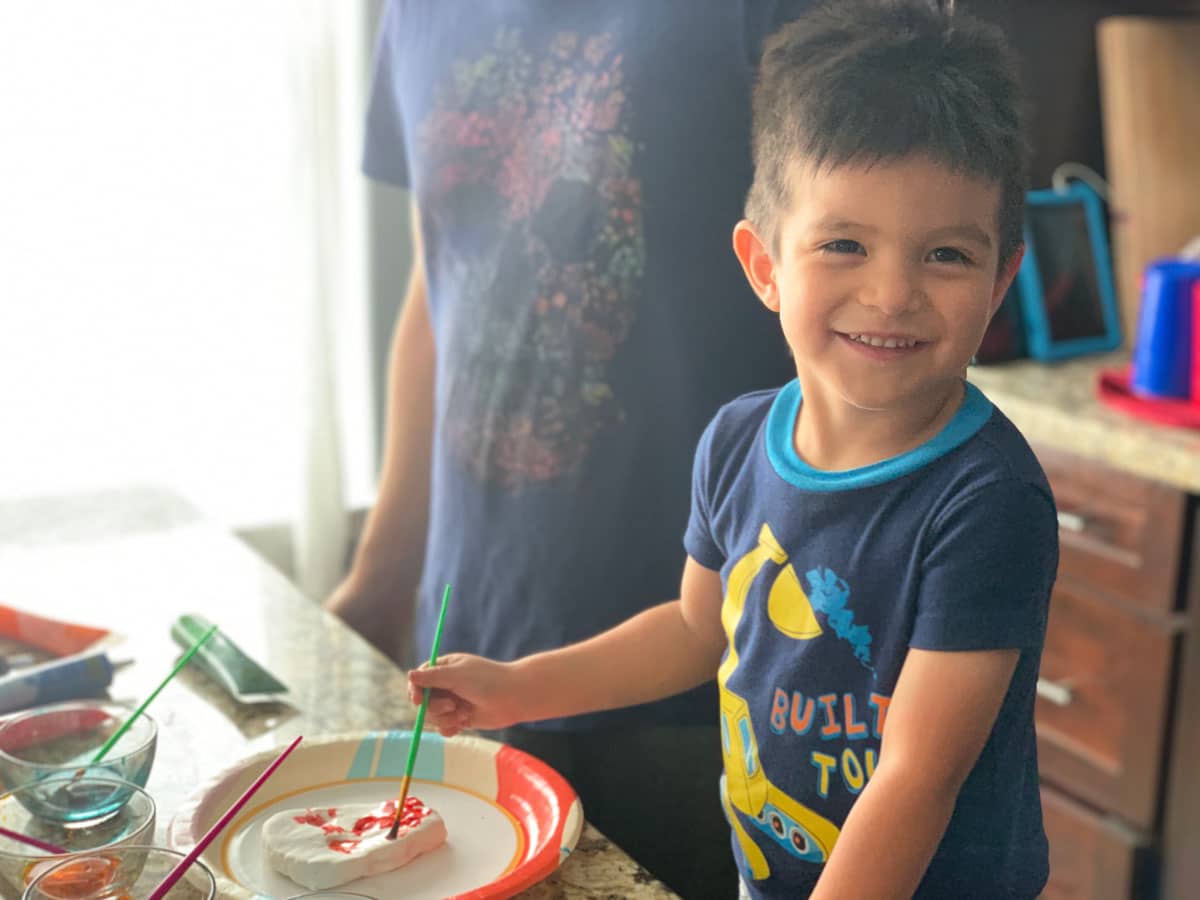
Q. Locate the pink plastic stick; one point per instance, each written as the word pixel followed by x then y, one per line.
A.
pixel 176 873
pixel 33 842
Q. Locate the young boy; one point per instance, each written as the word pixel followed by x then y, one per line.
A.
pixel 871 548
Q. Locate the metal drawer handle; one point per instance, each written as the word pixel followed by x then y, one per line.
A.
pixel 1054 692
pixel 1070 521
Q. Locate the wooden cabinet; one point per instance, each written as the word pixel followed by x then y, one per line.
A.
pixel 1092 857
pixel 1118 727
pixel 1121 536
pixel 1102 704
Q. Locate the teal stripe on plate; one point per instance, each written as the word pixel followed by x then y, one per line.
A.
pixel 364 757
pixel 431 757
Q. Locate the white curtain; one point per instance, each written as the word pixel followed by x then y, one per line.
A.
pixel 182 261
pixel 329 47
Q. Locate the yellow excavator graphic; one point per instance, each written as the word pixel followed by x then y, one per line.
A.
pixel 745 787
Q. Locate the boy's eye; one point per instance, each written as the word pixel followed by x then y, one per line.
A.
pixel 844 245
pixel 949 255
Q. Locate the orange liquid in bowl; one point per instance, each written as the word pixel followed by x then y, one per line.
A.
pixel 87 879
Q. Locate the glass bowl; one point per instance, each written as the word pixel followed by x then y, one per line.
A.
pixel 75 802
pixel 133 823
pixel 57 741
pixel 331 895
pixel 121 873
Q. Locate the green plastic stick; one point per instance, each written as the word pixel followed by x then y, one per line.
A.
pixel 420 723
pixel 108 745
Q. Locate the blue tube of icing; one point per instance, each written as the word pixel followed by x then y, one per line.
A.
pixel 84 675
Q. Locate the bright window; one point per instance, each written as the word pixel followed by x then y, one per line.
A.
pixel 149 323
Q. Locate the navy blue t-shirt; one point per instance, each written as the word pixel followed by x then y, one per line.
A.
pixel 578 168
pixel 830 578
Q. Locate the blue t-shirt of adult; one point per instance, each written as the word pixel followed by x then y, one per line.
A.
pixel 578 168
pixel 830 578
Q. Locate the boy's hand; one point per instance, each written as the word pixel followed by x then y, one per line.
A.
pixel 468 692
pixel 661 651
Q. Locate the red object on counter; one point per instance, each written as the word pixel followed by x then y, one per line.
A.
pixel 1113 390
pixel 52 635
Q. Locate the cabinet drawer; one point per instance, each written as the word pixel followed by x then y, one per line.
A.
pixel 1118 533
pixel 1091 857
pixel 1102 702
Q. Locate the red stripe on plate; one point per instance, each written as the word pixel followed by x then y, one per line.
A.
pixel 540 799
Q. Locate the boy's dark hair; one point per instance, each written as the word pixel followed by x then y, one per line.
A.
pixel 864 81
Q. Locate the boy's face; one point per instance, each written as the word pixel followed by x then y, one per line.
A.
pixel 884 280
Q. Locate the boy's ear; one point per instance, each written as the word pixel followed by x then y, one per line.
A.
pixel 756 262
pixel 1005 277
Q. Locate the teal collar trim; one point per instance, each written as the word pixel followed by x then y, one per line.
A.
pixel 971 416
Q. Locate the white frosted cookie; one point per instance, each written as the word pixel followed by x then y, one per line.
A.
pixel 324 848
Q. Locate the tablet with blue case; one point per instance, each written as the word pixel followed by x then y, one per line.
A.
pixel 1065 282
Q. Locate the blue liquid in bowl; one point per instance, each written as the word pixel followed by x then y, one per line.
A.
pixel 51 747
pixel 70 800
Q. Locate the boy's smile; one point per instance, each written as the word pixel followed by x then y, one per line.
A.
pixel 883 346
pixel 885 278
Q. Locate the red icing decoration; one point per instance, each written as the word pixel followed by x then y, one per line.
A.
pixel 381 818
pixel 312 817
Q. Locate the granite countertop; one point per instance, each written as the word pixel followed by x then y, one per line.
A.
pixel 135 560
pixel 1056 405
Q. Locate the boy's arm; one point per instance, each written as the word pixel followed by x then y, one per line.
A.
pixel 940 717
pixel 663 651
pixel 660 652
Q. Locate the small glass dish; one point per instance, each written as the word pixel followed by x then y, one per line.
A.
pixel 121 873
pixel 133 823
pixel 52 742
pixel 75 802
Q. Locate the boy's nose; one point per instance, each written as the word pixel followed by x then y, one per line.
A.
pixel 894 290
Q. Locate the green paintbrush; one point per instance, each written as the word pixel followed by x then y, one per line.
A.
pixel 420 723
pixel 116 736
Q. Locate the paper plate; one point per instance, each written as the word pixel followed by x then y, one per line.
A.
pixel 511 818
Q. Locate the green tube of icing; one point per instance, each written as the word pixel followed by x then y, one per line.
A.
pixel 224 661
